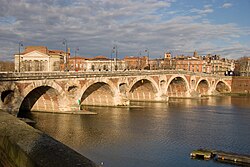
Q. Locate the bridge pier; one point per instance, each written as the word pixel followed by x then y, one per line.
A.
pixel 193 93
pixel 121 99
pixel 161 97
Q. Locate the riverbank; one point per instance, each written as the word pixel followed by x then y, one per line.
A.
pixel 22 145
pixel 80 112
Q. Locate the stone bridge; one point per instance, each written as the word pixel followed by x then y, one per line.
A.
pixel 66 91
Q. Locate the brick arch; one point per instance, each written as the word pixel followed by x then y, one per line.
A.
pixel 224 82
pixel 103 90
pixel 153 83
pixel 177 76
pixel 142 91
pixel 206 90
pixel 36 84
pixel 201 79
pixel 43 96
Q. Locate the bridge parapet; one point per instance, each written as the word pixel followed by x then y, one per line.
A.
pixel 57 75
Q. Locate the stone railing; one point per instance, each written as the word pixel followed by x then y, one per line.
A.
pixel 61 75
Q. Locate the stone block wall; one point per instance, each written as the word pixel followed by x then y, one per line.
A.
pixel 23 146
pixel 241 85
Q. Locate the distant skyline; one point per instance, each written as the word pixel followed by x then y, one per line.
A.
pixel 180 26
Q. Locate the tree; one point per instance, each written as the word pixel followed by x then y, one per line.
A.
pixel 7 66
pixel 243 66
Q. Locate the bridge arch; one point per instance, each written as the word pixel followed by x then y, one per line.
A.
pixel 222 87
pixel 43 96
pixel 177 86
pixel 143 88
pixel 203 86
pixel 98 93
pixel 163 86
pixel 123 87
pixel 7 95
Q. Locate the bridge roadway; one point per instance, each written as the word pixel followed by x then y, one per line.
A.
pixel 66 91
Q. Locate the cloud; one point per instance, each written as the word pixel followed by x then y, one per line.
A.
pixel 206 10
pixel 227 5
pixel 94 26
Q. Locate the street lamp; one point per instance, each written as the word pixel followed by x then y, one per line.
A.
pixel 139 61
pixel 77 49
pixel 114 50
pixel 66 55
pixel 111 60
pixel 19 64
pixel 116 53
pixel 148 57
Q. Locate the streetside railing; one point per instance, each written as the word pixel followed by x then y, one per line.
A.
pixel 13 76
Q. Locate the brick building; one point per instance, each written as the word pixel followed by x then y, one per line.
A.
pixel 97 63
pixel 211 64
pixel 77 63
pixel 136 62
pixel 193 63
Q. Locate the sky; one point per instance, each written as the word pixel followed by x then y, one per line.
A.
pixel 220 27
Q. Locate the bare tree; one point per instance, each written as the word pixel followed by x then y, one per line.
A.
pixel 6 66
pixel 243 66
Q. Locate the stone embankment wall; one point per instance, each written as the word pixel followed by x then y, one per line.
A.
pixel 241 85
pixel 23 146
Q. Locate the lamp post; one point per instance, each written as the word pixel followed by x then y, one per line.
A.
pixel 77 49
pixel 66 55
pixel 148 57
pixel 139 61
pixel 116 53
pixel 114 50
pixel 111 56
pixel 212 64
pixel 19 58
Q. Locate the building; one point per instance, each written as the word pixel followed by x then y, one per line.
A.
pixel 97 63
pixel 102 63
pixel 77 63
pixel 165 63
pixel 193 63
pixel 210 64
pixel 135 62
pixel 39 58
pixel 219 65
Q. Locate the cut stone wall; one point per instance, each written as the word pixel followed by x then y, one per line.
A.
pixel 23 146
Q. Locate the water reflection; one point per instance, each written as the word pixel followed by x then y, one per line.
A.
pixel 154 134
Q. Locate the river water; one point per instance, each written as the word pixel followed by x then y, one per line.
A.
pixel 154 134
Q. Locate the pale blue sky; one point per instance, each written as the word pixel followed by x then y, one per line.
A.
pixel 94 26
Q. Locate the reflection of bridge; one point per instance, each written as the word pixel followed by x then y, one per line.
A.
pixel 63 91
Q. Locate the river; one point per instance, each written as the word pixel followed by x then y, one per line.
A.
pixel 154 134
